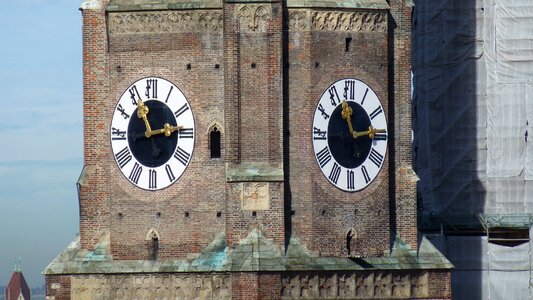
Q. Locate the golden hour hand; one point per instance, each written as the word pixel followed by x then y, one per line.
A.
pixel 142 112
pixel 347 115
pixel 371 133
pixel 167 130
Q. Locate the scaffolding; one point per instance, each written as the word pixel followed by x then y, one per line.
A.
pixel 472 106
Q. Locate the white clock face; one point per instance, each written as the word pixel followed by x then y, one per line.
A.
pixel 349 134
pixel 152 133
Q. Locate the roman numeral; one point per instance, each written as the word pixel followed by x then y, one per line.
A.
pixel 170 175
pixel 365 174
pixel 380 137
pixel 151 86
pixel 136 173
pixel 117 134
pixel 181 110
pixel 123 157
pixel 186 133
pixel 364 96
pixel 323 157
pixel 375 157
pixel 323 111
pixel 123 112
pixel 335 172
pixel 333 96
pixel 182 156
pixel 152 179
pixel 350 180
pixel 134 95
pixel 319 134
pixel 376 112
pixel 349 90
pixel 169 92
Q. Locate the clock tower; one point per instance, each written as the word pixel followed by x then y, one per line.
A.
pixel 244 149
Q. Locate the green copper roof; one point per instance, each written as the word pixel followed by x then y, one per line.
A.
pixel 254 253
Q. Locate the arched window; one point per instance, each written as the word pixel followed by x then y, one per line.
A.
pixel 153 244
pixel 214 142
pixel 155 248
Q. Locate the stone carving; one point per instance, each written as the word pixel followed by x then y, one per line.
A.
pixel 182 286
pixel 253 17
pixel 298 20
pixel 357 21
pixel 255 196
pixel 165 21
pixel 350 285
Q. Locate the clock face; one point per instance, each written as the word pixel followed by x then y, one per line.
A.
pixel 152 133
pixel 349 134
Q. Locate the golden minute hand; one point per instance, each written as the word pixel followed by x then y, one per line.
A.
pixel 371 133
pixel 347 114
pixel 167 130
pixel 142 111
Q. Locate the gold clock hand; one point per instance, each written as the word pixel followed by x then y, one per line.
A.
pixel 142 112
pixel 347 114
pixel 167 130
pixel 371 133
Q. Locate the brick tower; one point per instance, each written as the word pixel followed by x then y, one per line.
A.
pixel 247 150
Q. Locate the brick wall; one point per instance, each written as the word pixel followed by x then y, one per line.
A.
pixel 323 214
pixel 94 192
pixel 189 214
pixel 254 112
pixel 58 287
pixel 404 213
pixel 440 284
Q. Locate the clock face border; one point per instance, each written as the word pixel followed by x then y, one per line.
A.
pixel 357 93
pixel 169 95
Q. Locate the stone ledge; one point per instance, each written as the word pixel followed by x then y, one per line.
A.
pixel 255 253
pixel 254 171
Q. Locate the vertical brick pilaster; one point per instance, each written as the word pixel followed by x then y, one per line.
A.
pixel 404 208
pixel 253 103
pixel 94 191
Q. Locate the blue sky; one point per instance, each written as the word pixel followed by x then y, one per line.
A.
pixel 41 137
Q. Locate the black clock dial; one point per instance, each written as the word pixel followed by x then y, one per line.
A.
pixel 155 150
pixel 349 134
pixel 152 133
pixel 347 151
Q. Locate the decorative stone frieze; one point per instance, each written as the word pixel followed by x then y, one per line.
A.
pixel 165 21
pixel 253 17
pixel 148 286
pixel 350 285
pixel 355 21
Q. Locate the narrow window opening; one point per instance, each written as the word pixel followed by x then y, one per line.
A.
pixel 254 213
pixel 155 248
pixel 253 65
pixel 317 64
pixel 348 44
pixel 509 237
pixel 214 137
pixel 217 66
pixel 349 237
pixel 219 214
pixel 189 66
